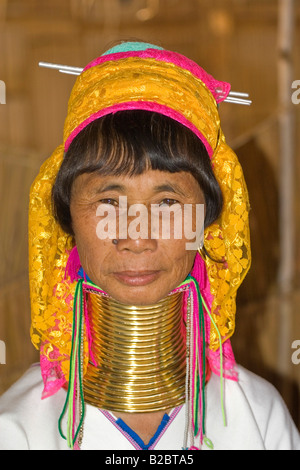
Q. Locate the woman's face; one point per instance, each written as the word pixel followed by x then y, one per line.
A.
pixel 138 269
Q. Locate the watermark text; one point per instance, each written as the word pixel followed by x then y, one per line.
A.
pixel 296 93
pixel 2 92
pixel 296 353
pixel 2 352
pixel 162 222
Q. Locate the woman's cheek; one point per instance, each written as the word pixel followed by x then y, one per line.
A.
pixel 180 259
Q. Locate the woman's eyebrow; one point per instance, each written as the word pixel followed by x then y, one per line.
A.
pixel 110 187
pixel 172 188
pixel 166 187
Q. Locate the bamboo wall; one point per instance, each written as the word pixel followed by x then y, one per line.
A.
pixel 236 41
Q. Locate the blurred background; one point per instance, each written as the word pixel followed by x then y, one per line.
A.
pixel 254 45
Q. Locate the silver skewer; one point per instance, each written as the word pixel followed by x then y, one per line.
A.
pixel 230 99
pixel 236 97
pixel 70 72
pixel 239 93
pixel 61 68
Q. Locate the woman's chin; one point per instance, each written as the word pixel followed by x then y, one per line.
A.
pixel 138 295
pixel 139 299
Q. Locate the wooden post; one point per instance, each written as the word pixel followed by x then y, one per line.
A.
pixel 286 20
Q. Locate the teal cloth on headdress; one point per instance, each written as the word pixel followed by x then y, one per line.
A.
pixel 131 46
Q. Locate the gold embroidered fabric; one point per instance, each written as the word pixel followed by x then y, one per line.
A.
pixel 143 81
pixel 228 239
pixel 51 294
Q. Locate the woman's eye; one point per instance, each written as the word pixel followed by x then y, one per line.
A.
pixel 168 202
pixel 111 202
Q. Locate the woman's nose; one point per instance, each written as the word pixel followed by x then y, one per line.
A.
pixel 136 246
pixel 135 233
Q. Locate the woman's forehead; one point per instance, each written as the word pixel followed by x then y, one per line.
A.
pixel 181 183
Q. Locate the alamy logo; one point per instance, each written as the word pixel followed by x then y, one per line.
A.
pixel 296 353
pixel 296 94
pixel 2 353
pixel 2 92
pixel 158 222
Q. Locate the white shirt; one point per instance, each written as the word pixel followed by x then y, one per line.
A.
pixel 256 419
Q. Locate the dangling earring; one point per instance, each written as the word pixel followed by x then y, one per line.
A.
pixel 201 250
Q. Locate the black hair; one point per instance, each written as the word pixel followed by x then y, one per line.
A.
pixel 129 143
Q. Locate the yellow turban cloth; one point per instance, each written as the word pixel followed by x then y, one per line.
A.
pixel 168 83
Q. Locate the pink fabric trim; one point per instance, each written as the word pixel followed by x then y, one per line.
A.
pixel 174 58
pixel 199 272
pixel 52 374
pixel 143 105
pixel 73 265
pixel 229 363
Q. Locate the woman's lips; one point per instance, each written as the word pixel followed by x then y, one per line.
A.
pixel 137 278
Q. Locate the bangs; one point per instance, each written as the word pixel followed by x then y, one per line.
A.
pixel 132 142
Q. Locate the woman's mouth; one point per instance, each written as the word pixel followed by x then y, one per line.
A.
pixel 137 278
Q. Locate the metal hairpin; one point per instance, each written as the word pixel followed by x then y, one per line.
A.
pixel 236 97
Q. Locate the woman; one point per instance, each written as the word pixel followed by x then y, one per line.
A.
pixel 131 313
